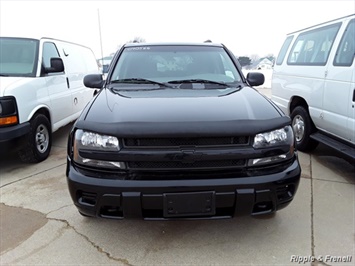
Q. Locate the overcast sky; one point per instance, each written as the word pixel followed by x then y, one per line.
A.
pixel 245 27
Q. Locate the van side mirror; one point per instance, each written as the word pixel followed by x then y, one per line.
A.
pixel 255 78
pixel 56 65
pixel 94 81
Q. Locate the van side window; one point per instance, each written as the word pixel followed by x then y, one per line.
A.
pixel 49 51
pixel 313 47
pixel 283 50
pixel 346 50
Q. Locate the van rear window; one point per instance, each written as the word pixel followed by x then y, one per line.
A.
pixel 313 47
pixel 346 50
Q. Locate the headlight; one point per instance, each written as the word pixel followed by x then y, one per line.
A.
pixel 276 138
pixel 282 136
pixel 85 141
pixel 93 140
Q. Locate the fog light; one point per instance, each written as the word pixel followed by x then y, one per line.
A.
pixel 104 164
pixel 267 160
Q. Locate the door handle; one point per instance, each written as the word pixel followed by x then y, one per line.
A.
pixel 68 83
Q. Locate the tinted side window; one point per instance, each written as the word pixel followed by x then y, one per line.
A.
pixel 283 50
pixel 313 47
pixel 346 50
pixel 49 51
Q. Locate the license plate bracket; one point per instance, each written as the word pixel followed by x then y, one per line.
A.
pixel 189 204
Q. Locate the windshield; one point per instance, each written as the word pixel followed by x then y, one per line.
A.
pixel 174 64
pixel 18 57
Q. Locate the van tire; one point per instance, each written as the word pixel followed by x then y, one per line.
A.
pixel 38 141
pixel 303 128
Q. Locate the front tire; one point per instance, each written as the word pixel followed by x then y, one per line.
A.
pixel 38 141
pixel 303 128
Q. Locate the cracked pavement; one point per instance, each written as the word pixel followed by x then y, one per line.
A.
pixel 40 225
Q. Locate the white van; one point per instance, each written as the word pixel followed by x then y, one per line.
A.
pixel 41 90
pixel 314 82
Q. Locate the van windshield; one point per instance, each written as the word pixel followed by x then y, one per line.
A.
pixel 18 57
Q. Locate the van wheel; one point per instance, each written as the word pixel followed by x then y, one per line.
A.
pixel 303 127
pixel 38 141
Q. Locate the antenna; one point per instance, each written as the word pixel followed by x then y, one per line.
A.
pixel 102 53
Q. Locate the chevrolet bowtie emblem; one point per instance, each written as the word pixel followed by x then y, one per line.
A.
pixel 187 156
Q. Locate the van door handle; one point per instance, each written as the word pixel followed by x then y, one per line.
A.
pixel 68 83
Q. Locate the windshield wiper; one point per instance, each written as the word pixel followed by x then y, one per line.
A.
pixel 237 88
pixel 204 81
pixel 141 81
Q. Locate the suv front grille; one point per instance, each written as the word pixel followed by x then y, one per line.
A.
pixel 181 165
pixel 177 142
pixel 186 161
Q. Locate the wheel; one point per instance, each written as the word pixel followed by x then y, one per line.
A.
pixel 38 141
pixel 303 127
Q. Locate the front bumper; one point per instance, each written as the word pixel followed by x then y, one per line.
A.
pixel 183 199
pixel 11 137
pixel 12 132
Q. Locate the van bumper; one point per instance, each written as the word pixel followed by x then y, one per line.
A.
pixel 216 198
pixel 11 137
pixel 13 132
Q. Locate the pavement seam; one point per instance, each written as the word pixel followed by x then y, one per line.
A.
pixel 334 181
pixel 312 209
pixel 316 262
pixel 97 247
pixel 65 206
pixel 24 178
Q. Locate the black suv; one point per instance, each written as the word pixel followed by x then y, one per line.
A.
pixel 177 132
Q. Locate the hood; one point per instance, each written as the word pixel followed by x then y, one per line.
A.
pixel 6 82
pixel 188 112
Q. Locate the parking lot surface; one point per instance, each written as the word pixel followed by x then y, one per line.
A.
pixel 39 224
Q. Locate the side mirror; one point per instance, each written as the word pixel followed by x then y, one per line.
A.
pixel 255 78
pixel 94 81
pixel 56 65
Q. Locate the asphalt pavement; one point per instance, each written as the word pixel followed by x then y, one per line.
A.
pixel 39 224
